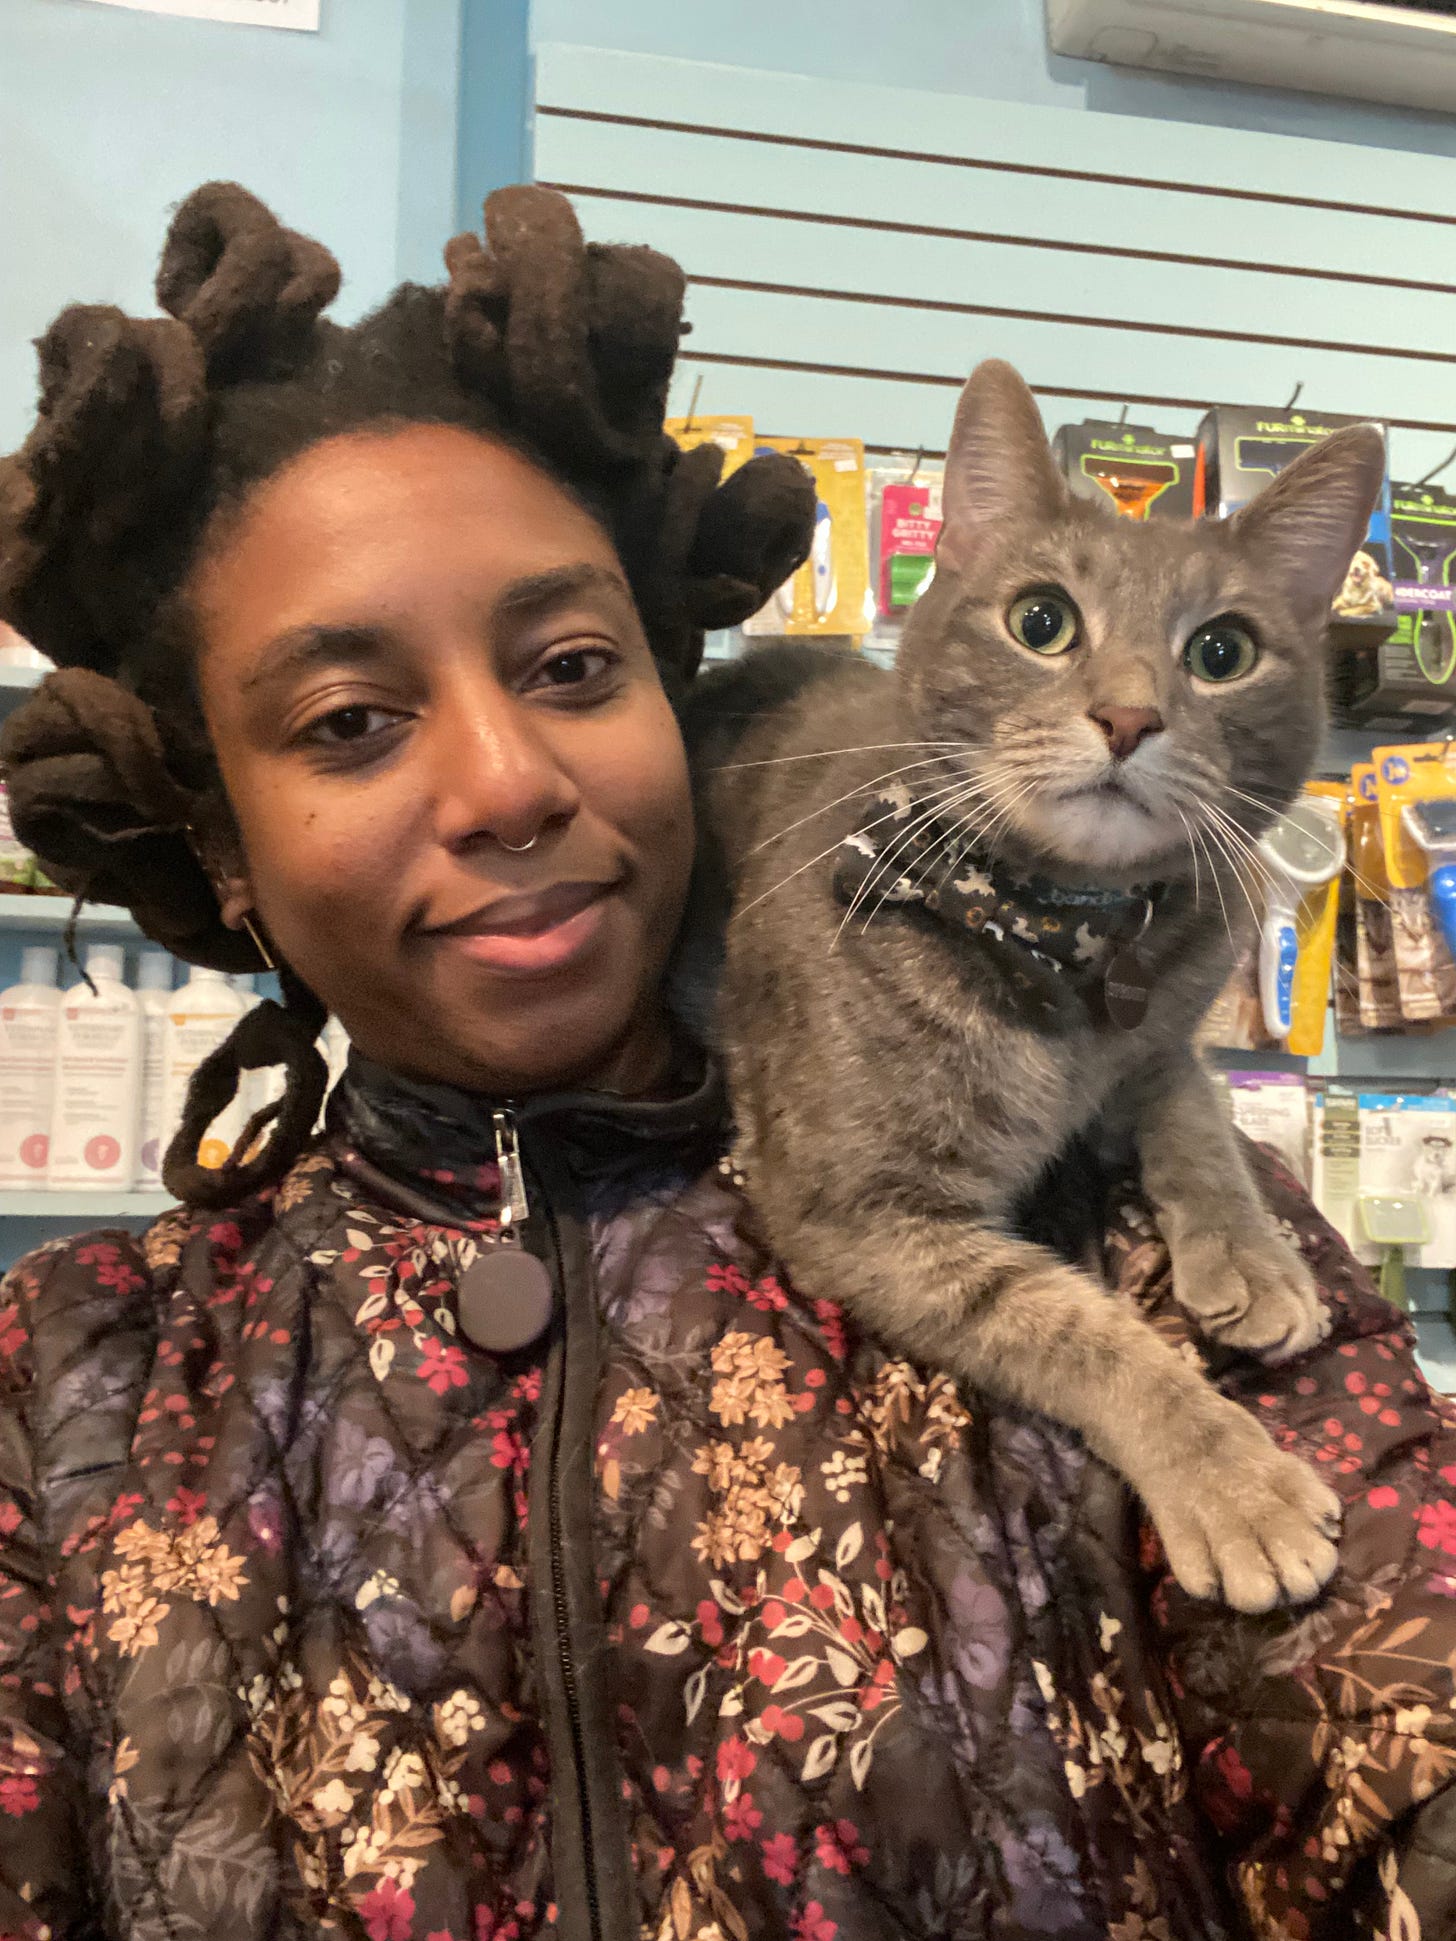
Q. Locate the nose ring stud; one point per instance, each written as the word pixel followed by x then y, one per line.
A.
pixel 517 848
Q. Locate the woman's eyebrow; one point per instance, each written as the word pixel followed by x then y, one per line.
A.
pixel 313 646
pixel 534 591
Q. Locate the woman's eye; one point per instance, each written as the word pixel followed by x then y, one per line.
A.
pixel 357 723
pixel 1047 623
pixel 575 667
pixel 1221 651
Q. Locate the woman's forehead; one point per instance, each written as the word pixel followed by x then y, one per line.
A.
pixel 387 520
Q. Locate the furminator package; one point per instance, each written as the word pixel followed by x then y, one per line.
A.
pixel 830 592
pixel 1407 681
pixel 1416 784
pixel 1140 471
pixel 1379 991
pixel 1241 448
pixel 1423 524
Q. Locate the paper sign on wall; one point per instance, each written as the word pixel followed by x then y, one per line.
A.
pixel 300 15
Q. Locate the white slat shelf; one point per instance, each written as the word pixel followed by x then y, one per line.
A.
pixel 93 1208
pixel 19 911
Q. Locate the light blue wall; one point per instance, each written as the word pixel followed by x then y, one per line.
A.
pixel 994 48
pixel 107 117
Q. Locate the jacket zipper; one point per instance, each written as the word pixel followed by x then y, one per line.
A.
pixel 515 1211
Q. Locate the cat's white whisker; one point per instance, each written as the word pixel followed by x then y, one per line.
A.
pixel 890 775
pixel 895 849
pixel 1218 889
pixel 1220 840
pixel 824 754
pixel 1193 852
pixel 883 864
pixel 829 850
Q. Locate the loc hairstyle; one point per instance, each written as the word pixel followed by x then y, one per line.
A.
pixel 150 429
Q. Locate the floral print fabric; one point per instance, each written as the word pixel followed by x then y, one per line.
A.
pixel 879 1658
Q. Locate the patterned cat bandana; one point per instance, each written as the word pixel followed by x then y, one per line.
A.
pixel 901 855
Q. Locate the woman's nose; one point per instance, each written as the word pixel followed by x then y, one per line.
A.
pixel 497 777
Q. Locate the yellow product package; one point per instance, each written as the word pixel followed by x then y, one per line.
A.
pixel 1315 934
pixel 1379 993
pixel 830 593
pixel 1413 774
pixel 733 437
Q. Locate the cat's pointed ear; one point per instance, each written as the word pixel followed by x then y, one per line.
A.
pixel 1309 522
pixel 999 470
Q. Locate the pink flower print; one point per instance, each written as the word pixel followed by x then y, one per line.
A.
pixel 813 1924
pixel 741 1818
pixel 388 1912
pixel 781 1858
pixel 736 1760
pixel 18 1795
pixel 839 1846
pixel 1438 1526
pixel 442 1366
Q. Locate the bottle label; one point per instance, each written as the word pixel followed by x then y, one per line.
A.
pixel 27 1091
pixel 97 1093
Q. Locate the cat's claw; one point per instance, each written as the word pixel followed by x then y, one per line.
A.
pixel 1251 1526
pixel 1255 1295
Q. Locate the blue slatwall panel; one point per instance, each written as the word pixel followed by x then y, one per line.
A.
pixel 853 250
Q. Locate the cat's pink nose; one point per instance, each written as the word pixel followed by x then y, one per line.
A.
pixel 1126 728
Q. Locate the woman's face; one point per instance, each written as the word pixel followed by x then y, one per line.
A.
pixel 461 792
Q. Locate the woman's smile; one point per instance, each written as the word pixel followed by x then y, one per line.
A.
pixel 536 935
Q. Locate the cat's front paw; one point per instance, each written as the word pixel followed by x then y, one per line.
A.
pixel 1246 1523
pixel 1254 1294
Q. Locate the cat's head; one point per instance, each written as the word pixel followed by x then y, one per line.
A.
pixel 1122 690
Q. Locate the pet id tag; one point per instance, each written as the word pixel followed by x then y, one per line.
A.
pixel 504 1299
pixel 1127 982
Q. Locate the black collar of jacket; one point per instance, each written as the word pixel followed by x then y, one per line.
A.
pixel 603 1150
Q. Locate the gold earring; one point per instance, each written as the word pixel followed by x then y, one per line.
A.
pixel 258 943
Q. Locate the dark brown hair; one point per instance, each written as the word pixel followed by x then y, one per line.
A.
pixel 150 429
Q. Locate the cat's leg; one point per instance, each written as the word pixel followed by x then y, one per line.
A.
pixel 1233 1270
pixel 1239 1518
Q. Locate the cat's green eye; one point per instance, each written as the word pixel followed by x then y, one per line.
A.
pixel 1045 622
pixel 1222 651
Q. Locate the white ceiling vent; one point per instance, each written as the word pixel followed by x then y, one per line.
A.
pixel 1373 53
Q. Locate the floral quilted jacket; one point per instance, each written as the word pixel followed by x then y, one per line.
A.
pixel 706 1617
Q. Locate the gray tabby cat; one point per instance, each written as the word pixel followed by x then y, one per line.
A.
pixel 946 877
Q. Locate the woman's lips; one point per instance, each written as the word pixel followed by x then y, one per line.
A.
pixel 530 936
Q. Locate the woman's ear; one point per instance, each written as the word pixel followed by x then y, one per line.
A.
pixel 234 900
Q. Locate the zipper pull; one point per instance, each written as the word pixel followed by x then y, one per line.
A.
pixel 515 1208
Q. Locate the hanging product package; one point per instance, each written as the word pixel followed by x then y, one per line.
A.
pixel 1378 988
pixel 733 436
pixel 1241 448
pixel 905 515
pixel 1144 474
pixel 1424 527
pixel 829 595
pixel 1335 1158
pixel 1416 784
pixel 1408 1149
pixel 1407 682
pixel 1315 941
pixel 1272 1108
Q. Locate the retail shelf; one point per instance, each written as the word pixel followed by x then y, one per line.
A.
pixel 21 912
pixel 91 1207
pixel 16 683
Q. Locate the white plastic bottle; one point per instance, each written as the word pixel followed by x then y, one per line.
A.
pixel 154 991
pixel 200 1015
pixel 96 1112
pixel 29 1017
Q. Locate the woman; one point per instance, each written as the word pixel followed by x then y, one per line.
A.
pixel 357 1575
